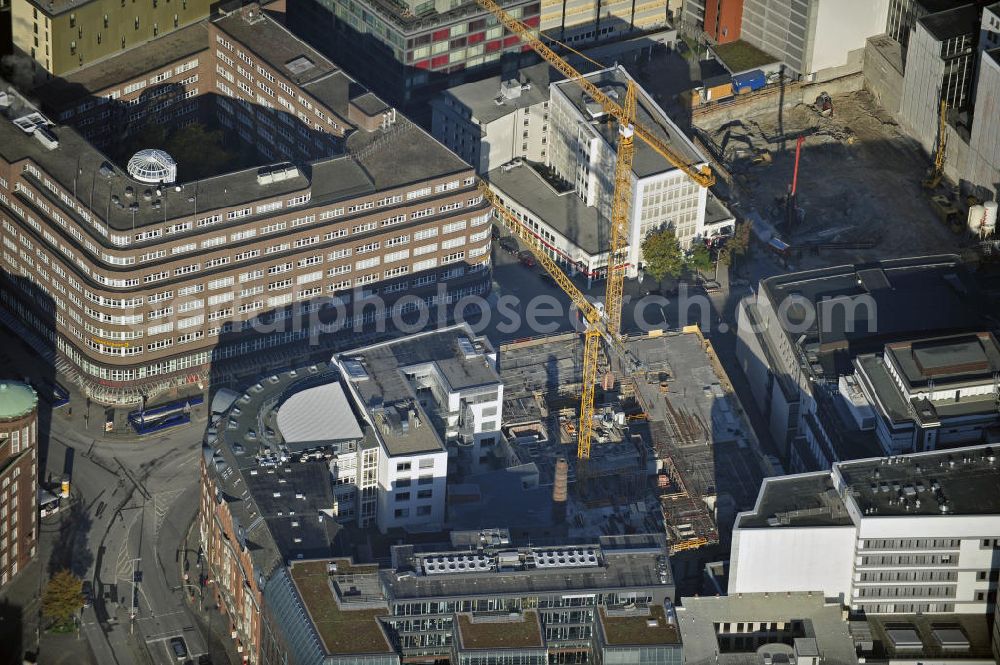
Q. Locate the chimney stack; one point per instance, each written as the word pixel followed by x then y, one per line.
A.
pixel 560 490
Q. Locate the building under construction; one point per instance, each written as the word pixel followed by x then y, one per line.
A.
pixel 672 449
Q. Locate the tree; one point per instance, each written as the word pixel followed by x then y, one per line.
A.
pixel 662 256
pixel 63 598
pixel 737 246
pixel 199 151
pixel 700 258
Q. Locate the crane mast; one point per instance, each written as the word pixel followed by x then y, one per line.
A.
pixel 608 324
pixel 703 176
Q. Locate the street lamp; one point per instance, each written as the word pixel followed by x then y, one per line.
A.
pixel 134 604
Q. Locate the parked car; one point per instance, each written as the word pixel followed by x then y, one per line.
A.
pixel 509 245
pixel 739 282
pixel 526 259
pixel 179 648
pixel 87 591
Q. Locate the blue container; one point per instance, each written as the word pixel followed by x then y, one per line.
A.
pixel 749 81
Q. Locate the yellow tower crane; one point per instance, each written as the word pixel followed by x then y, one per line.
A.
pixel 608 323
pixel 935 178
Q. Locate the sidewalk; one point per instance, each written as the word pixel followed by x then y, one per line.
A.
pixel 213 624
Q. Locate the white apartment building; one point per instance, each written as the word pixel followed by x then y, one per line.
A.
pixel 906 534
pixel 932 393
pixel 584 152
pixel 549 152
pixel 492 122
pixel 420 396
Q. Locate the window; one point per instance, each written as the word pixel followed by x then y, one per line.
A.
pixel 402 466
pixel 425 494
pixel 423 510
pixel 402 496
pixel 402 512
pixel 426 264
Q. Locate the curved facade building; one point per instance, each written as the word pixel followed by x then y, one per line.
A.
pixel 18 477
pixel 149 284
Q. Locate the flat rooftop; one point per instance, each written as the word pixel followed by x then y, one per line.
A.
pixel 383 377
pixel 877 375
pixel 565 212
pixel 964 480
pixel 480 97
pixel 641 630
pixel 399 13
pixel 646 161
pixel 859 308
pixel 947 360
pixel 276 493
pixel 952 23
pixel 623 569
pixel 806 500
pixel 372 161
pixel 131 63
pixel 344 632
pixel 699 617
pixel 741 55
pixel 525 633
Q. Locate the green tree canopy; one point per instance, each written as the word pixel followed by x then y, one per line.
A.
pixel 662 256
pixel 63 597
pixel 737 246
pixel 701 258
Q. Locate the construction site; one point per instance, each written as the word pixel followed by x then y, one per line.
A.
pixel 858 177
pixel 673 450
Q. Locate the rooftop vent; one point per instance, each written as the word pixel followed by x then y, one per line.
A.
pixel 467 348
pixel 46 138
pixel 355 369
pixel 271 174
pixel 510 89
pixel 152 166
pixel 299 65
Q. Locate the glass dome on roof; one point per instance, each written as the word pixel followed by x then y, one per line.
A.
pixel 152 166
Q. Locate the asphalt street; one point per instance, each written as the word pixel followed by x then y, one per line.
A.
pixel 133 502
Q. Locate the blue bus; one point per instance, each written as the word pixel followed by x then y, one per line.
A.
pixel 165 416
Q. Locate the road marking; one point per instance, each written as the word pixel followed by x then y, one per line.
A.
pixel 162 501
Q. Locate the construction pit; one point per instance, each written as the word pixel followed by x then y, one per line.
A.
pixel 672 450
pixel 859 190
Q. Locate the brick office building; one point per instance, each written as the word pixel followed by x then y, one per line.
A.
pixel 18 485
pixel 152 280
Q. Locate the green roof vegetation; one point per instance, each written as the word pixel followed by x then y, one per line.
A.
pixel 739 56
pixel 342 632
pixel 502 635
pixel 635 630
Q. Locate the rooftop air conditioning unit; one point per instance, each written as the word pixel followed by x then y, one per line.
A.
pixel 510 89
